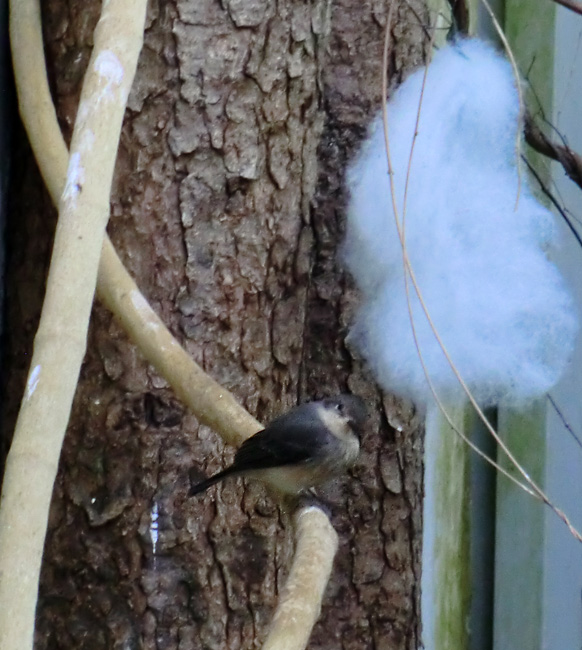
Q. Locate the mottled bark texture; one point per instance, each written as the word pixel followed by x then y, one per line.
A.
pixel 228 209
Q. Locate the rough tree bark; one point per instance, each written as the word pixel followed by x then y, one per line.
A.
pixel 228 210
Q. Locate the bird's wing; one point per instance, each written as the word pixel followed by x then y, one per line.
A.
pixel 282 445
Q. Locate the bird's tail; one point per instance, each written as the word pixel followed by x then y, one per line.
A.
pixel 204 485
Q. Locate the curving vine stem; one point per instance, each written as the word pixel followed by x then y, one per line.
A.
pixel 84 252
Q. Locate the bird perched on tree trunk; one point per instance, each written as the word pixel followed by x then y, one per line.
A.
pixel 301 449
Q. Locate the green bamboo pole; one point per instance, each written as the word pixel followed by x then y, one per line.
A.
pixel 520 533
pixel 519 537
pixel 446 572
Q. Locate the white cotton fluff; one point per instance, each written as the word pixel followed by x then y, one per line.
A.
pixel 499 305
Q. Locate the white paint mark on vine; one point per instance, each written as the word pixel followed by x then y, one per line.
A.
pixel 32 383
pixel 87 141
pixel 83 111
pixel 109 67
pixel 75 178
pixel 142 306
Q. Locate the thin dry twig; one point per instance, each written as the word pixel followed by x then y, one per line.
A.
pixel 544 188
pixel 409 273
pixel 565 422
pixel 461 15
pixel 573 5
pixel 402 234
pixel 515 68
pixel 537 139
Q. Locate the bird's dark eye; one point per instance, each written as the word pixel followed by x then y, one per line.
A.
pixel 339 407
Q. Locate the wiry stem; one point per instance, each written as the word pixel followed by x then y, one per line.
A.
pixel 531 486
pixel 573 5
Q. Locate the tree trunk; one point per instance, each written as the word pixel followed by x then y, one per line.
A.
pixel 228 210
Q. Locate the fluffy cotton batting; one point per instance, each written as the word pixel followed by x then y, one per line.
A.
pixel 499 304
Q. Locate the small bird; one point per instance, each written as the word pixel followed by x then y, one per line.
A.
pixel 307 446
